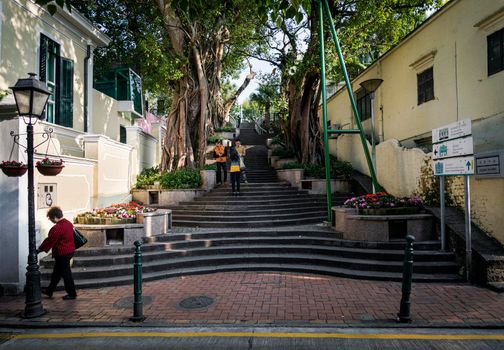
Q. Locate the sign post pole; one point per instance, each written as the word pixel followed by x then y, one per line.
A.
pixel 468 233
pixel 442 211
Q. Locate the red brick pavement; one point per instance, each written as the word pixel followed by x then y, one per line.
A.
pixel 275 297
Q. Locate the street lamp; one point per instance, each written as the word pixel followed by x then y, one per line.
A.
pixel 370 87
pixel 31 98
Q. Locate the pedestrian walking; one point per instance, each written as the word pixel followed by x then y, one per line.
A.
pixel 220 161
pixel 235 170
pixel 242 151
pixel 61 241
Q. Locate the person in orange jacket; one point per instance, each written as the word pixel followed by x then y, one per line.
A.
pixel 220 160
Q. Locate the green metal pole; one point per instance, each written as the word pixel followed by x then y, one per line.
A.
pixel 352 100
pixel 137 284
pixel 324 113
pixel 404 314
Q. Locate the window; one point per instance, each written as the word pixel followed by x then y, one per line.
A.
pixel 57 72
pixel 425 86
pixel 122 134
pixel 495 43
pixel 363 104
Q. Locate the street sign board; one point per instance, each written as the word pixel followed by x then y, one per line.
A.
pixel 454 166
pixel 453 148
pixel 490 164
pixel 452 131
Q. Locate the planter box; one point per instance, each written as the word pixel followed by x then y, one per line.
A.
pixel 111 235
pixel 318 186
pixel 166 197
pixel 209 179
pixel 227 135
pixel 381 228
pixel 390 211
pixel 292 176
pixel 274 160
pixel 158 222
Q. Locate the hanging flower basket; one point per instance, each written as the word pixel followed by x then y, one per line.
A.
pixel 48 167
pixel 12 168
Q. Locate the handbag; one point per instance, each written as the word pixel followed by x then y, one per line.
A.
pixel 79 239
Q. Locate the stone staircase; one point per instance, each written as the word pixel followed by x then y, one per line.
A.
pixel 303 249
pixel 271 226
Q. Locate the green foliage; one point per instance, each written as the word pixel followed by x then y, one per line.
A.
pixel 181 179
pixel 213 139
pixel 3 93
pixel 210 167
pixel 283 152
pixel 293 165
pixel 225 129
pixel 314 170
pixel 147 177
pixel 341 169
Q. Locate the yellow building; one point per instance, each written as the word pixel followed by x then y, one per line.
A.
pixel 449 69
pixel 100 137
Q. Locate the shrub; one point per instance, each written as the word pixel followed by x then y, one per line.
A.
pixel 147 177
pixel 277 140
pixel 210 167
pixel 314 170
pixel 283 152
pixel 180 179
pixel 293 165
pixel 225 129
pixel 341 169
pixel 213 138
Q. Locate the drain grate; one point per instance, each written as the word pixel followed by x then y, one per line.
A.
pixel 127 303
pixel 196 302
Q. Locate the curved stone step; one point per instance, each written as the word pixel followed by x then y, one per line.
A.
pixel 250 223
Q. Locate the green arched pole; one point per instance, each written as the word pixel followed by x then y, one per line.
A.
pixel 360 130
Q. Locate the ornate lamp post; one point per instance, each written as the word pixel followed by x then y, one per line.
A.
pixel 370 87
pixel 31 98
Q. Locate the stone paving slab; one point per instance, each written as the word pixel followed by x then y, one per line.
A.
pixel 271 298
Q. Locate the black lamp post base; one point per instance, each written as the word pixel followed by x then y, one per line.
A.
pixel 34 312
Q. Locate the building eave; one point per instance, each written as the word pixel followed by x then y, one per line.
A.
pixel 84 25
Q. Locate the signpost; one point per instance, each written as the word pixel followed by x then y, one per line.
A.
pixel 452 152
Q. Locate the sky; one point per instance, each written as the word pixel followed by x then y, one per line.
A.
pixel 258 67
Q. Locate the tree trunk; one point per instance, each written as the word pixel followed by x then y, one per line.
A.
pixel 203 108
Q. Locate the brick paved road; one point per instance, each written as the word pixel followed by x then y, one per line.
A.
pixel 272 297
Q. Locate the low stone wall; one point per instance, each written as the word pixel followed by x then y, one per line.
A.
pixel 165 197
pixel 209 179
pixel 381 228
pixel 318 186
pixel 292 176
pixel 277 162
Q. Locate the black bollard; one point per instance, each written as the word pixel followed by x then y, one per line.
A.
pixel 137 285
pixel 404 311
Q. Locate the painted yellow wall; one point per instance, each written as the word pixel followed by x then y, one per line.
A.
pixel 22 24
pixel 106 119
pixel 454 43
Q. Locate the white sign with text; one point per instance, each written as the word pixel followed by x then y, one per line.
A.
pixel 452 131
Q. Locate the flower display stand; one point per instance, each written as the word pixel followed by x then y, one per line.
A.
pixel 382 228
pixel 111 235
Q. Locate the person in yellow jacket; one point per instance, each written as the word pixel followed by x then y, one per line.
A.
pixel 242 151
pixel 220 160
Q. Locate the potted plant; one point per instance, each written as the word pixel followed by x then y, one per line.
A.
pixel 13 168
pixel 382 203
pixel 49 167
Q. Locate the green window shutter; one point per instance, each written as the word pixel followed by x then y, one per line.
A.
pixel 43 58
pixel 66 93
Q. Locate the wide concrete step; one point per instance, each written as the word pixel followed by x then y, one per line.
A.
pixel 243 200
pixel 255 192
pixel 216 207
pixel 234 212
pixel 251 223
pixel 253 246
pixel 181 260
pixel 228 217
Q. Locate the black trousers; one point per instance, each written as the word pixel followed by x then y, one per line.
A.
pixel 62 269
pixel 221 168
pixel 235 181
